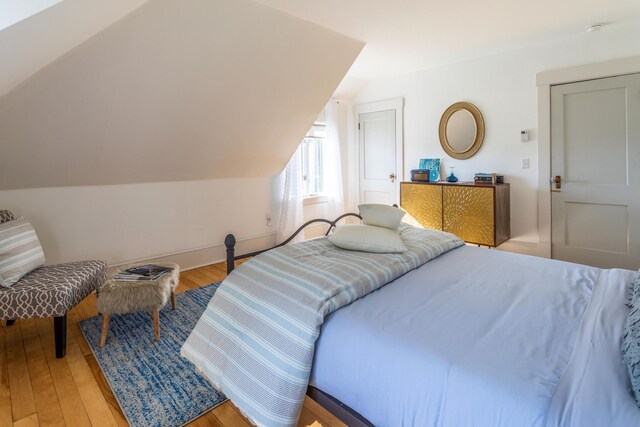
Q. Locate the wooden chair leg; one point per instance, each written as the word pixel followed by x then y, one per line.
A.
pixel 106 317
pixel 60 333
pixel 11 322
pixel 156 323
pixel 173 300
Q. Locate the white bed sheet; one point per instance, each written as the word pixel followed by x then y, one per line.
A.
pixel 481 337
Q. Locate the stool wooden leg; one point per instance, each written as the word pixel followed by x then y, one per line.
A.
pixel 173 300
pixel 105 328
pixel 156 323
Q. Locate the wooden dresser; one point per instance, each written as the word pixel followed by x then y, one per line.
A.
pixel 476 213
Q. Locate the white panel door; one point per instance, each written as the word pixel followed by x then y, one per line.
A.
pixel 595 150
pixel 377 146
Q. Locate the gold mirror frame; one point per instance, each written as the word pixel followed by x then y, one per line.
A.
pixel 477 142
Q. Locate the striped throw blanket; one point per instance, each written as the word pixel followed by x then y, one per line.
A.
pixel 255 341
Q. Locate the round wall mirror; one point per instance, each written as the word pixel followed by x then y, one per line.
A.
pixel 461 130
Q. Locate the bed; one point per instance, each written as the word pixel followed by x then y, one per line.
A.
pixel 477 337
pixel 459 345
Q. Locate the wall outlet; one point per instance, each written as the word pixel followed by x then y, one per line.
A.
pixel 525 164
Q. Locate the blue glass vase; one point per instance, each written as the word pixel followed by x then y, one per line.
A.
pixel 452 177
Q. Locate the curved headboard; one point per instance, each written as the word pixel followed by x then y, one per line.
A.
pixel 230 240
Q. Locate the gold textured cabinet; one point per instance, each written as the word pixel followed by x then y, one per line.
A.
pixel 475 213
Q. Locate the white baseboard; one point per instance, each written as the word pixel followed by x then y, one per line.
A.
pixel 194 258
pixel 520 247
pixel 544 249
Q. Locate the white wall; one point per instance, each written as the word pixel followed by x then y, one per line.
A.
pixel 184 221
pixel 121 223
pixel 503 87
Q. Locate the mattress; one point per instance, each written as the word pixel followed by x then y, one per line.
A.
pixel 480 337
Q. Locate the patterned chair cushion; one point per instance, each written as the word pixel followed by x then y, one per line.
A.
pixel 51 291
pixel 5 216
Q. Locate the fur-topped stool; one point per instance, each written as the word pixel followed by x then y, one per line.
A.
pixel 120 297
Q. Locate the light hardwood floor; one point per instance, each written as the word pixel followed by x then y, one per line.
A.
pixel 36 389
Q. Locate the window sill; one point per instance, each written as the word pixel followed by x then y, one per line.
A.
pixel 315 200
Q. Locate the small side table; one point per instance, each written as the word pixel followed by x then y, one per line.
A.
pixel 120 297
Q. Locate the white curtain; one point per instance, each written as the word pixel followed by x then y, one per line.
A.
pixel 332 166
pixel 291 212
pixel 291 209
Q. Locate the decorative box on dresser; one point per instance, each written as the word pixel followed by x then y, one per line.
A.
pixel 477 213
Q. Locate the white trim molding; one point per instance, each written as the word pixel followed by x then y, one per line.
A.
pixel 600 70
pixel 198 257
pixel 396 104
pixel 544 81
pixel 520 247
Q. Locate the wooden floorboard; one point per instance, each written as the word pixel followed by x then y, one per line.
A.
pixel 23 403
pixel 30 421
pixel 37 389
pixel 47 404
pixel 228 415
pixel 5 395
pixel 188 282
pixel 106 391
pixel 90 393
pixel 73 410
pixel 199 276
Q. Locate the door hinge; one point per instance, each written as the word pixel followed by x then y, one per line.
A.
pixel 358 126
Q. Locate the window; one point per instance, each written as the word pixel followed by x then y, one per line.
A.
pixel 312 158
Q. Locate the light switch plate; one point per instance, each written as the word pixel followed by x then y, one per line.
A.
pixel 525 163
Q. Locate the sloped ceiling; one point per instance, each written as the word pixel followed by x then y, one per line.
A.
pixel 176 90
pixel 33 43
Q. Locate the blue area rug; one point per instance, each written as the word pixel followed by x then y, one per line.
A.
pixel 152 383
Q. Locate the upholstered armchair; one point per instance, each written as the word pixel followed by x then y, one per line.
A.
pixel 50 291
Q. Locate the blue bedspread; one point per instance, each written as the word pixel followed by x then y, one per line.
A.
pixel 481 337
pixel 255 341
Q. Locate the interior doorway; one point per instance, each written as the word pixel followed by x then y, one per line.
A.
pixel 380 151
pixel 595 170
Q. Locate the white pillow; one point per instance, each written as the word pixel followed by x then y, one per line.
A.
pixel 381 215
pixel 20 251
pixel 367 238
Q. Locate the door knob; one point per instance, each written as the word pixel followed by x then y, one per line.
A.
pixel 557 179
pixel 392 177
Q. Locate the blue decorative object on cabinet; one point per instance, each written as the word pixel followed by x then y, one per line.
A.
pixel 452 177
pixel 434 166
